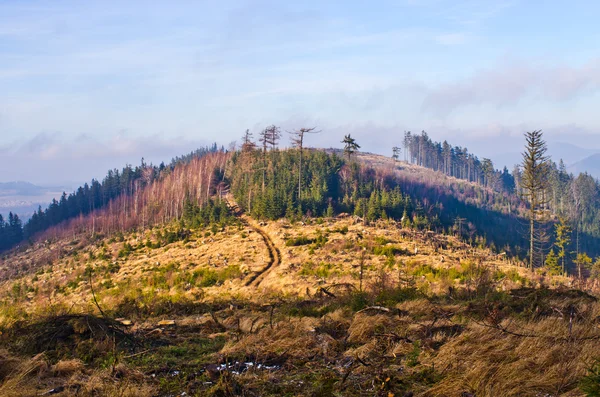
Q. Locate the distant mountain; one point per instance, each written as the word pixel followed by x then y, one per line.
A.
pixel 23 198
pixel 568 152
pixel 590 164
pixel 20 188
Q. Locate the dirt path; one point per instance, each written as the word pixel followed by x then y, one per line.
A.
pixel 255 278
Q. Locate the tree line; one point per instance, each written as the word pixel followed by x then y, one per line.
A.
pixel 11 232
pixel 189 192
pixel 269 183
pixel 556 199
pixel 97 195
pixel 454 161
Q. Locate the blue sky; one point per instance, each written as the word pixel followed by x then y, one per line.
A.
pixel 99 83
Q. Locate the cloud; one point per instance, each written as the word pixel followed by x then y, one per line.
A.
pixel 52 158
pixel 508 84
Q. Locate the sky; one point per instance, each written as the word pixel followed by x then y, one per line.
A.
pixel 91 85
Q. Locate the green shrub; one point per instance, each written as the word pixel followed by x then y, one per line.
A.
pixel 389 250
pixel 125 250
pixel 298 241
pixel 322 270
pixel 590 383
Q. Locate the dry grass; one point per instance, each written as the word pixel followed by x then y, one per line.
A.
pixel 491 363
pixel 431 346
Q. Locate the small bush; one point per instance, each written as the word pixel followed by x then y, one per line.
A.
pixel 590 383
pixel 298 241
pixel 389 250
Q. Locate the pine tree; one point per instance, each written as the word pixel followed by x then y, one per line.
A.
pixel 298 142
pixel 552 263
pixel 535 173
pixel 350 146
pixel 563 239
pixel 583 261
pixel 395 153
pixel 247 144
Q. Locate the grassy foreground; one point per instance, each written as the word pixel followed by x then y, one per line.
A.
pixel 350 310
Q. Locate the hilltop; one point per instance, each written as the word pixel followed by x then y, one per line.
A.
pixel 208 281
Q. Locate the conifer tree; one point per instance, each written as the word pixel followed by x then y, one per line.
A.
pixel 583 261
pixel 298 142
pixel 535 173
pixel 552 263
pixel 350 146
pixel 247 143
pixel 395 153
pixel 563 239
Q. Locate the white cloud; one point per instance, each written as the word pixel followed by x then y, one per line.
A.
pixel 508 84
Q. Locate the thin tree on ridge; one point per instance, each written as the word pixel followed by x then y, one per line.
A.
pixel 533 184
pixel 298 142
pixel 350 145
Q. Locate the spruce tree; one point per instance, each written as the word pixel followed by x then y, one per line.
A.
pixel 298 142
pixel 395 153
pixel 350 145
pixel 563 239
pixel 534 178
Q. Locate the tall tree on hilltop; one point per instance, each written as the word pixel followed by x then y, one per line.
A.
pixel 534 178
pixel 298 142
pixel 273 134
pixel 269 137
pixel 247 142
pixel 407 142
pixel 487 167
pixel 264 139
pixel 395 153
pixel 350 145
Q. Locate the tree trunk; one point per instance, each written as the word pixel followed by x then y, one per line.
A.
pixel 531 236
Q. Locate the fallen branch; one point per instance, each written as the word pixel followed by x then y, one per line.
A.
pixel 139 353
pixel 327 292
pixel 375 308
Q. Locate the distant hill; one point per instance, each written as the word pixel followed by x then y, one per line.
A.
pixel 568 152
pixel 590 164
pixel 575 157
pixel 23 198
pixel 20 188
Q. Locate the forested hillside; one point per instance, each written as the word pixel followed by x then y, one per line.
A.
pixel 177 193
pixel 575 198
pixel 464 195
pixel 11 231
pixel 299 272
pixel 125 184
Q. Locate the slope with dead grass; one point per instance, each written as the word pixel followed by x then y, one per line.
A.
pixel 351 309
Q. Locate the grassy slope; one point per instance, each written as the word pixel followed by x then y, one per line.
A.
pixel 435 317
pixel 444 333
